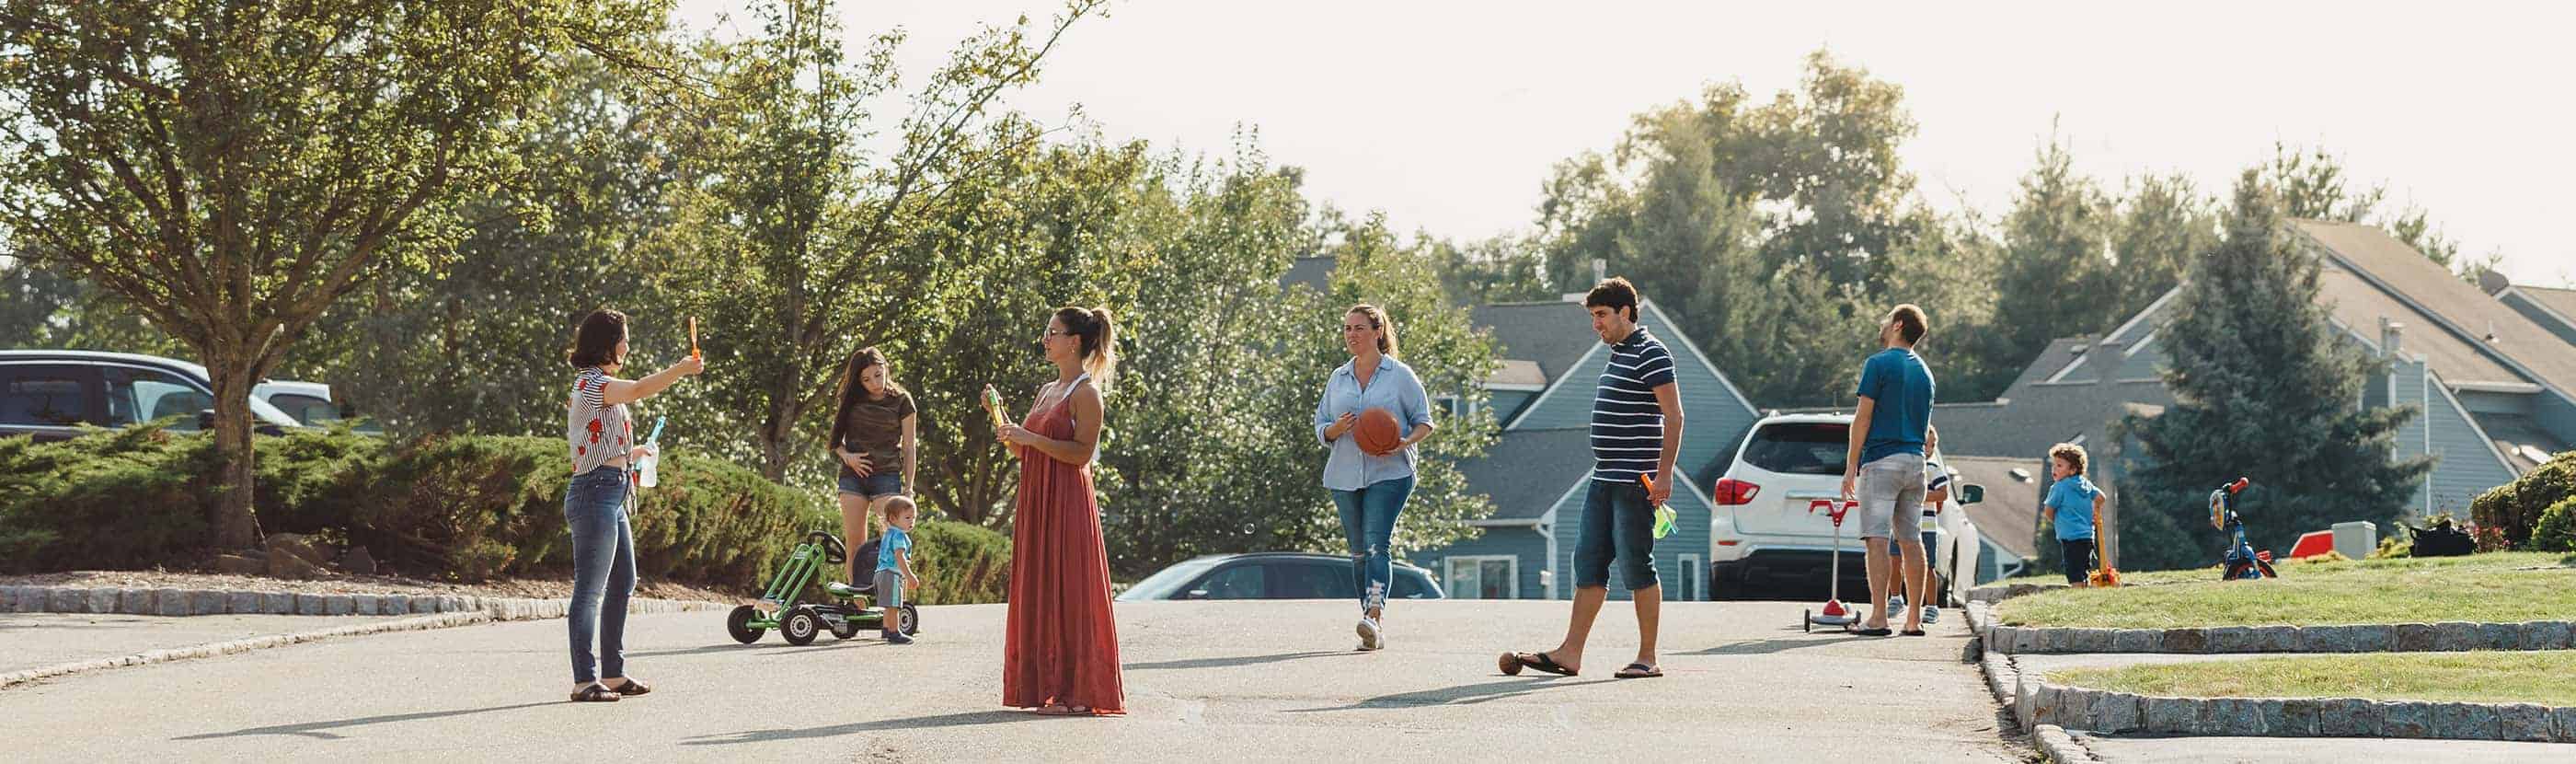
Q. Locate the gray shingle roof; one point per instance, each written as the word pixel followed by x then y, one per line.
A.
pixel 1553 334
pixel 2036 417
pixel 2562 301
pixel 2470 312
pixel 2010 513
pixel 2511 432
pixel 1528 470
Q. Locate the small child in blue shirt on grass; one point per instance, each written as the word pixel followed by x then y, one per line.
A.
pixel 2073 501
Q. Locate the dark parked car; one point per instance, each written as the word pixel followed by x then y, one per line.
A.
pixel 1272 576
pixel 50 393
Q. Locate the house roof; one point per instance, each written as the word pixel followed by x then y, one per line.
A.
pixel 2010 513
pixel 2359 305
pixel 2060 352
pixel 2558 301
pixel 1526 471
pixel 2036 417
pixel 2468 311
pixel 2519 439
pixel 1550 334
pixel 1314 273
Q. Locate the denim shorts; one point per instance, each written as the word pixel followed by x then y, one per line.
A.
pixel 877 486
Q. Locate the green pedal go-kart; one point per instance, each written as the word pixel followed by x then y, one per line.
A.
pixel 801 622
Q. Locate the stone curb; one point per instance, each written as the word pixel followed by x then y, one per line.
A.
pixel 2062 748
pixel 1993 593
pixel 183 602
pixel 2111 713
pixel 212 649
pixel 2449 636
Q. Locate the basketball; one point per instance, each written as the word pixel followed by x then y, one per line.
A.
pixel 1376 431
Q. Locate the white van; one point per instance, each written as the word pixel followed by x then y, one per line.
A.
pixel 1764 536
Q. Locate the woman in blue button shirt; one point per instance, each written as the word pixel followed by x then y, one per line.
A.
pixel 1370 488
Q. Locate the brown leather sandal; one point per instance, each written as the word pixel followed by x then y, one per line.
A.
pixel 595 693
pixel 631 687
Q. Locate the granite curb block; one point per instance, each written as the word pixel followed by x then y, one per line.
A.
pixel 212 649
pixel 2448 636
pixel 2061 748
pixel 1993 593
pixel 2041 705
pixel 186 602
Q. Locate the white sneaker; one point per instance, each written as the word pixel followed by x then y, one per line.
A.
pixel 1931 614
pixel 1372 635
pixel 1895 601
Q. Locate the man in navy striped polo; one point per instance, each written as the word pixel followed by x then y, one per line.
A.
pixel 1636 431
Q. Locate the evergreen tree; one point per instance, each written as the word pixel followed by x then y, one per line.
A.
pixel 2264 389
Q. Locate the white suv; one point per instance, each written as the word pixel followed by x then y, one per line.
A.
pixel 1763 535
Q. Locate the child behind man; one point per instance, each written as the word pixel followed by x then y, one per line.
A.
pixel 2073 501
pixel 894 566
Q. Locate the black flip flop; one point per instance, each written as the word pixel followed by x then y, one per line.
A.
pixel 1639 671
pixel 1911 632
pixel 1877 632
pixel 1512 663
pixel 595 693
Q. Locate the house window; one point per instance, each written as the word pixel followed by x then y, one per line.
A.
pixel 1484 577
pixel 1449 405
pixel 1689 578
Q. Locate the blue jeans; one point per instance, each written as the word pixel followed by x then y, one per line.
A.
pixel 1368 521
pixel 1617 524
pixel 603 557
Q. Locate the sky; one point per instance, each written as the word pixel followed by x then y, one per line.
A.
pixel 1447 116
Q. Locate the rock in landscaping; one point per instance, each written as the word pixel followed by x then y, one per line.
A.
pixel 134 601
pixel 2348 717
pixel 104 600
pixel 2414 637
pixel 2173 716
pixel 66 600
pixel 2372 638
pixel 2025 640
pixel 2544 635
pixel 2276 639
pixel 358 561
pixel 2075 707
pixel 300 546
pixel 363 604
pixel 339 604
pixel 2090 640
pixel 2117 712
pixel 2137 640
pixel 2298 718
pixel 2025 701
pixel 169 602
pixel 2523 722
pixel 2562 723
pixel 2186 640
pixel 293 567
pixel 2229 716
pixel 241 603
pixel 2271 715
pixel 2043 704
pixel 311 604
pixel 8 599
pixel 277 603
pixel 2231 639
pixel 2456 637
pixel 2406 719
pixel 2499 636
pixel 2464 721
pixel 2325 639
pixel 250 564
pixel 207 602
pixel 393 604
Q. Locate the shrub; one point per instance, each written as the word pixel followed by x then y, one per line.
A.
pixel 127 498
pixel 961 563
pixel 2512 510
pixel 2556 531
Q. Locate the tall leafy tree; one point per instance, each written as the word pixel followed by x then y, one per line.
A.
pixel 2056 272
pixel 232 168
pixel 2264 389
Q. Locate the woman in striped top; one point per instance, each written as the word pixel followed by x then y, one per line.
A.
pixel 600 436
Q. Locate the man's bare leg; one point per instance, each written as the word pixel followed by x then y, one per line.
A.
pixel 1874 550
pixel 1587 606
pixel 1650 610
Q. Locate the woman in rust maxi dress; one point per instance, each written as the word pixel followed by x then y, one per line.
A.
pixel 1060 654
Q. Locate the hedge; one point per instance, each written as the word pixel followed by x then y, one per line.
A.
pixel 2514 508
pixel 463 508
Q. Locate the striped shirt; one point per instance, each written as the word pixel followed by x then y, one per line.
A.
pixel 1627 424
pixel 595 433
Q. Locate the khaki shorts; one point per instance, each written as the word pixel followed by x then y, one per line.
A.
pixel 1891 495
pixel 889 588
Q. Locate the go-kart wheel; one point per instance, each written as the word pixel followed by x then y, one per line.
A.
pixel 801 627
pixel 911 620
pixel 739 624
pixel 1807 621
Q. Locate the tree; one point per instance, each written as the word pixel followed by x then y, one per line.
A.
pixel 230 169
pixel 2263 388
pixel 2312 185
pixel 2056 274
pixel 789 233
pixel 2163 224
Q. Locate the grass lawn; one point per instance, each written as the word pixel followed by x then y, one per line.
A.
pixel 2481 677
pixel 2487 587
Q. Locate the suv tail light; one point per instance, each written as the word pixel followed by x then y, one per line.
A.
pixel 1732 492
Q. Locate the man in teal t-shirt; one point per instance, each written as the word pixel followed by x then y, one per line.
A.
pixel 1885 460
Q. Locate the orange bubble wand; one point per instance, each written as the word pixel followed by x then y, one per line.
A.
pixel 693 339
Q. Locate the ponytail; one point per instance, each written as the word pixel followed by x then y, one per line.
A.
pixel 1098 332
